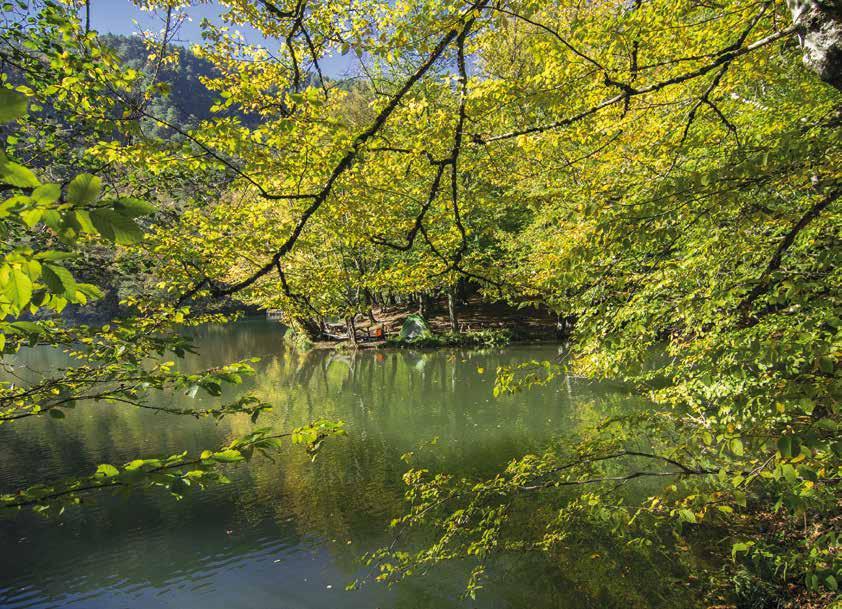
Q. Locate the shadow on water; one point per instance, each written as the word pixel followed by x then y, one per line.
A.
pixel 288 533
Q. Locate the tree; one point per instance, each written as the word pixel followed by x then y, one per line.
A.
pixel 819 26
pixel 46 224
pixel 676 195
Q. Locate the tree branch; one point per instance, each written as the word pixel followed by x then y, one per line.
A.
pixel 345 163
pixel 776 259
pixel 726 56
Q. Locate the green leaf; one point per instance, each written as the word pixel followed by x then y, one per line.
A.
pixel 789 473
pixel 12 105
pixel 737 447
pixel 83 219
pixel 228 456
pixel 131 207
pixel 18 289
pixel 84 189
pixel 826 365
pixel 26 327
pixel 212 387
pixel 46 194
pixel 31 217
pixel 59 280
pixel 807 405
pixel 116 227
pixel 107 471
pixel 17 175
pixel 90 290
pixel 33 269
pixel 52 219
pixel 687 516
pixel 807 473
pixel 53 255
pixel 740 547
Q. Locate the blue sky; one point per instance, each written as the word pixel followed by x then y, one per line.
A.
pixel 116 17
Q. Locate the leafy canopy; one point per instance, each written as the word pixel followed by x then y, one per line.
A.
pixel 665 173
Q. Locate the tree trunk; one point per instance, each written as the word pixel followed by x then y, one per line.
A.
pixel 451 309
pixel 819 27
pixel 352 330
pixel 309 327
pixel 370 302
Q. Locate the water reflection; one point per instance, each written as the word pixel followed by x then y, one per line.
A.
pixel 287 533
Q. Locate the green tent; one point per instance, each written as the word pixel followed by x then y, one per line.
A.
pixel 415 328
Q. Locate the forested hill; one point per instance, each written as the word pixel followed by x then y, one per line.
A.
pixel 189 101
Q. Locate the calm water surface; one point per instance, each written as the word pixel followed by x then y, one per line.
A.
pixel 288 534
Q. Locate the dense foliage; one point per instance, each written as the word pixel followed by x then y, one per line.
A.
pixel 665 173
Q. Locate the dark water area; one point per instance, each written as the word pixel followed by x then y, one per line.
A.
pixel 289 533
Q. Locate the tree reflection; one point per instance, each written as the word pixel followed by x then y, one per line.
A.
pixel 333 509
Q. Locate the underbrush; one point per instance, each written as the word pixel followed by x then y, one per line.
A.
pixel 298 340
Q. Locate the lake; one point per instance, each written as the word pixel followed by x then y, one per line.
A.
pixel 288 533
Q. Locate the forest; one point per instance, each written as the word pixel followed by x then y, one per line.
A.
pixel 630 207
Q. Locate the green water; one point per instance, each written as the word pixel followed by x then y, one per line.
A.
pixel 289 533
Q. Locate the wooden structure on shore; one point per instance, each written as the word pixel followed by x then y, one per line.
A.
pixel 275 314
